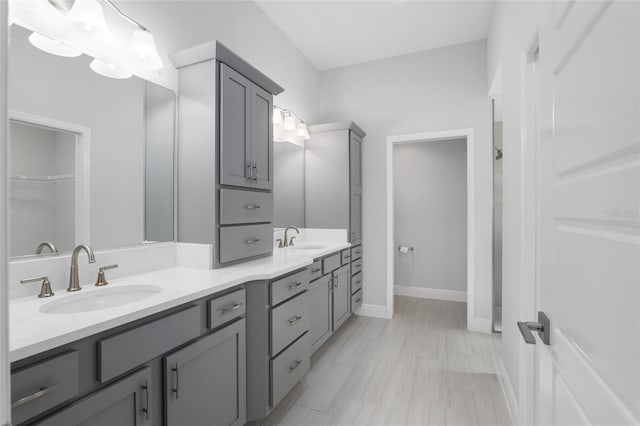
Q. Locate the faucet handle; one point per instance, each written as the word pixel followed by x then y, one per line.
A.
pixel 101 280
pixel 291 241
pixel 45 290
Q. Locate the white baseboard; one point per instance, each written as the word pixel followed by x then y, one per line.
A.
pixel 374 311
pixel 480 325
pixel 509 394
pixel 431 293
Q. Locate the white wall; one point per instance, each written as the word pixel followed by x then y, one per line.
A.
pixel 430 214
pixel 440 89
pixel 512 29
pixel 244 28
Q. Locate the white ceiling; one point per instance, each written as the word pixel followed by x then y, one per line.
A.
pixel 338 33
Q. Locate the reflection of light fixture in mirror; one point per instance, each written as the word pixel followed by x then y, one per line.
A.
pixel 290 129
pixel 144 46
pixel 89 13
pixel 108 70
pixel 289 122
pixel 302 131
pixel 53 46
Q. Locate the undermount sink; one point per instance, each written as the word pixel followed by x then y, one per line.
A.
pixel 103 298
pixel 307 247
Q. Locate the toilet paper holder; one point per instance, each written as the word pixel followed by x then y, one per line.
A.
pixel 408 248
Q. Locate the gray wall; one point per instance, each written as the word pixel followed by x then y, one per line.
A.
pixel 288 185
pixel 430 214
pixel 65 89
pixel 439 89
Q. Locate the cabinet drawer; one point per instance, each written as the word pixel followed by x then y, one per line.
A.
pixel 225 308
pixel 289 368
pixel 356 282
pixel 289 286
pixel 315 270
pixel 39 387
pixel 122 352
pixel 345 256
pixel 237 206
pixel 356 266
pixel 240 242
pixel 331 263
pixel 356 253
pixel 288 322
pixel 356 300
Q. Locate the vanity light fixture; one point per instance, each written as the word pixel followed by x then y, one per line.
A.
pixel 290 128
pixel 109 70
pixel 89 13
pixel 143 45
pixel 52 46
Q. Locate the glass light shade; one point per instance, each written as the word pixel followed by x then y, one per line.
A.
pixel 144 46
pixel 302 131
pixel 52 46
pixel 277 116
pixel 109 70
pixel 289 123
pixel 89 13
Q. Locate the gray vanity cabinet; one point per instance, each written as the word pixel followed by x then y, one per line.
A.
pixel 341 299
pixel 225 148
pixel 320 304
pixel 124 403
pixel 205 381
pixel 246 142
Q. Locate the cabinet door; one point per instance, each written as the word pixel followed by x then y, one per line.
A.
pixel 341 296
pixel 262 138
pixel 235 131
pixel 205 381
pixel 355 178
pixel 123 403
pixel 320 295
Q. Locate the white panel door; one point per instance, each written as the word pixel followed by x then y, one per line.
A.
pixel 588 239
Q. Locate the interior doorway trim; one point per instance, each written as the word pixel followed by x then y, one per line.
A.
pixel 82 163
pixel 469 135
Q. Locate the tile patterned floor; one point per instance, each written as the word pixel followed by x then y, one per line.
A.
pixel 421 368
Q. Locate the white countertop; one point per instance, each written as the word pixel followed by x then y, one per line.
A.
pixel 33 332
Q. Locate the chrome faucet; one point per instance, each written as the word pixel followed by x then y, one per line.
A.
pixel 49 245
pixel 74 282
pixel 289 242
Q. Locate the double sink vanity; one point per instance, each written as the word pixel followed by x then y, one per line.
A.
pixel 181 345
pixel 214 318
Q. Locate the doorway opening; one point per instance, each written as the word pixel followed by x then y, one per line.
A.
pixel 399 244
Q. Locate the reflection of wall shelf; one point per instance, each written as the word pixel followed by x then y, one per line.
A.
pixel 43 179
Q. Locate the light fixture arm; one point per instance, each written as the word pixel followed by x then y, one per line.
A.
pixel 288 111
pixel 61 5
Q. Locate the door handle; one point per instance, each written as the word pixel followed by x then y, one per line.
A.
pixel 254 172
pixel 147 393
pixel 543 327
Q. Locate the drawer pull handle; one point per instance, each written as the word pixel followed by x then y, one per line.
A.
pixel 253 206
pixel 255 240
pixel 147 397
pixel 347 256
pixel 294 365
pixel 358 265
pixel 294 319
pixel 176 390
pixel 358 282
pixel 231 308
pixel 39 394
pixel 313 271
pixel 358 300
pixel 294 285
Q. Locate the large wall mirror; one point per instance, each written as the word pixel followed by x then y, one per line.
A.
pixel 91 158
